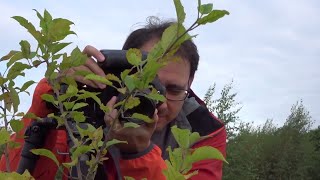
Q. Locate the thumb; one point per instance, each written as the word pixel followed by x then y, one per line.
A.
pixel 155 118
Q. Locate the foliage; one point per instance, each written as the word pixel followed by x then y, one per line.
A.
pixel 287 152
pixel 225 107
pixel 48 51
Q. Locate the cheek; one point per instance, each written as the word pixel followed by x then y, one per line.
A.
pixel 174 108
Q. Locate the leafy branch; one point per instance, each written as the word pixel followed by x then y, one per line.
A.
pixel 69 104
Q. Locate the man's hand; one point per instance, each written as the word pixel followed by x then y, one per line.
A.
pixel 138 139
pixel 90 66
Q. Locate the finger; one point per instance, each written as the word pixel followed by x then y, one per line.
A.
pixel 93 66
pixel 110 117
pixel 92 51
pixel 155 118
pixel 112 102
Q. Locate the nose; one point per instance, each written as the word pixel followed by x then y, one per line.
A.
pixel 163 108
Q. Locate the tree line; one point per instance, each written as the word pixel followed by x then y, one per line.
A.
pixel 291 151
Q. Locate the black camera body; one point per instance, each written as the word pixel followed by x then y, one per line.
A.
pixel 116 62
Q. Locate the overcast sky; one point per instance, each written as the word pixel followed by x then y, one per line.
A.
pixel 270 49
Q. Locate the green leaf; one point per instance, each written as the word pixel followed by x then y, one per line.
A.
pixel 17 69
pixel 47 16
pixel 29 26
pixel 124 74
pixel 50 69
pixel 56 56
pixel 45 21
pixel 15 98
pixel 2 81
pixel 77 57
pixel 183 36
pixel 4 136
pixel 81 150
pixel 175 157
pixel 205 8
pixel 114 141
pixel 130 125
pixel 171 173
pixel 16 125
pixel 68 105
pixel 47 153
pixel 56 47
pixel 20 114
pixel 16 176
pixel 71 164
pixel 25 48
pixel 78 116
pixel 9 55
pixel 72 90
pixel 181 15
pixel 63 97
pixel 30 116
pixel 205 152
pixel 79 105
pixel 16 57
pixel 155 95
pixel 129 82
pixel 36 63
pixel 59 29
pixel 142 117
pixel 14 145
pixel 26 85
pixel 194 137
pixel 48 98
pixel 155 52
pixel 86 129
pixel 32 55
pixel 181 136
pixel 169 36
pixel 69 81
pixel 122 90
pixel 132 102
pixel 112 77
pixel 134 56
pixel 212 16
pixel 87 94
pixel 38 14
pixel 149 72
pixel 98 78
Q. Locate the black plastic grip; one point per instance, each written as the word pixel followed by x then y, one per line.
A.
pixel 116 59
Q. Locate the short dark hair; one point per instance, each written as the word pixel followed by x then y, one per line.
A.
pixel 154 30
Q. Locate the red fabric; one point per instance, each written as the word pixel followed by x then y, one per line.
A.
pixel 45 168
pixel 149 166
pixel 211 169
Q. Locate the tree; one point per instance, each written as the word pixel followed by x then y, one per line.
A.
pixel 271 152
pixel 225 108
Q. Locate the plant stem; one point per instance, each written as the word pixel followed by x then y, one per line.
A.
pixel 91 173
pixel 69 130
pixel 6 127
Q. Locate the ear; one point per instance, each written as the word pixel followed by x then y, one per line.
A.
pixel 190 81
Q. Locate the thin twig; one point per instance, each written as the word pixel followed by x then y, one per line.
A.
pixel 6 128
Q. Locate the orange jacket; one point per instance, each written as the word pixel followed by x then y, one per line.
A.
pixel 149 165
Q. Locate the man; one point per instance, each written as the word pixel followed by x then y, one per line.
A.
pixel 144 155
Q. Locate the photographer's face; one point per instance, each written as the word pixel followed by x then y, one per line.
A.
pixel 174 76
